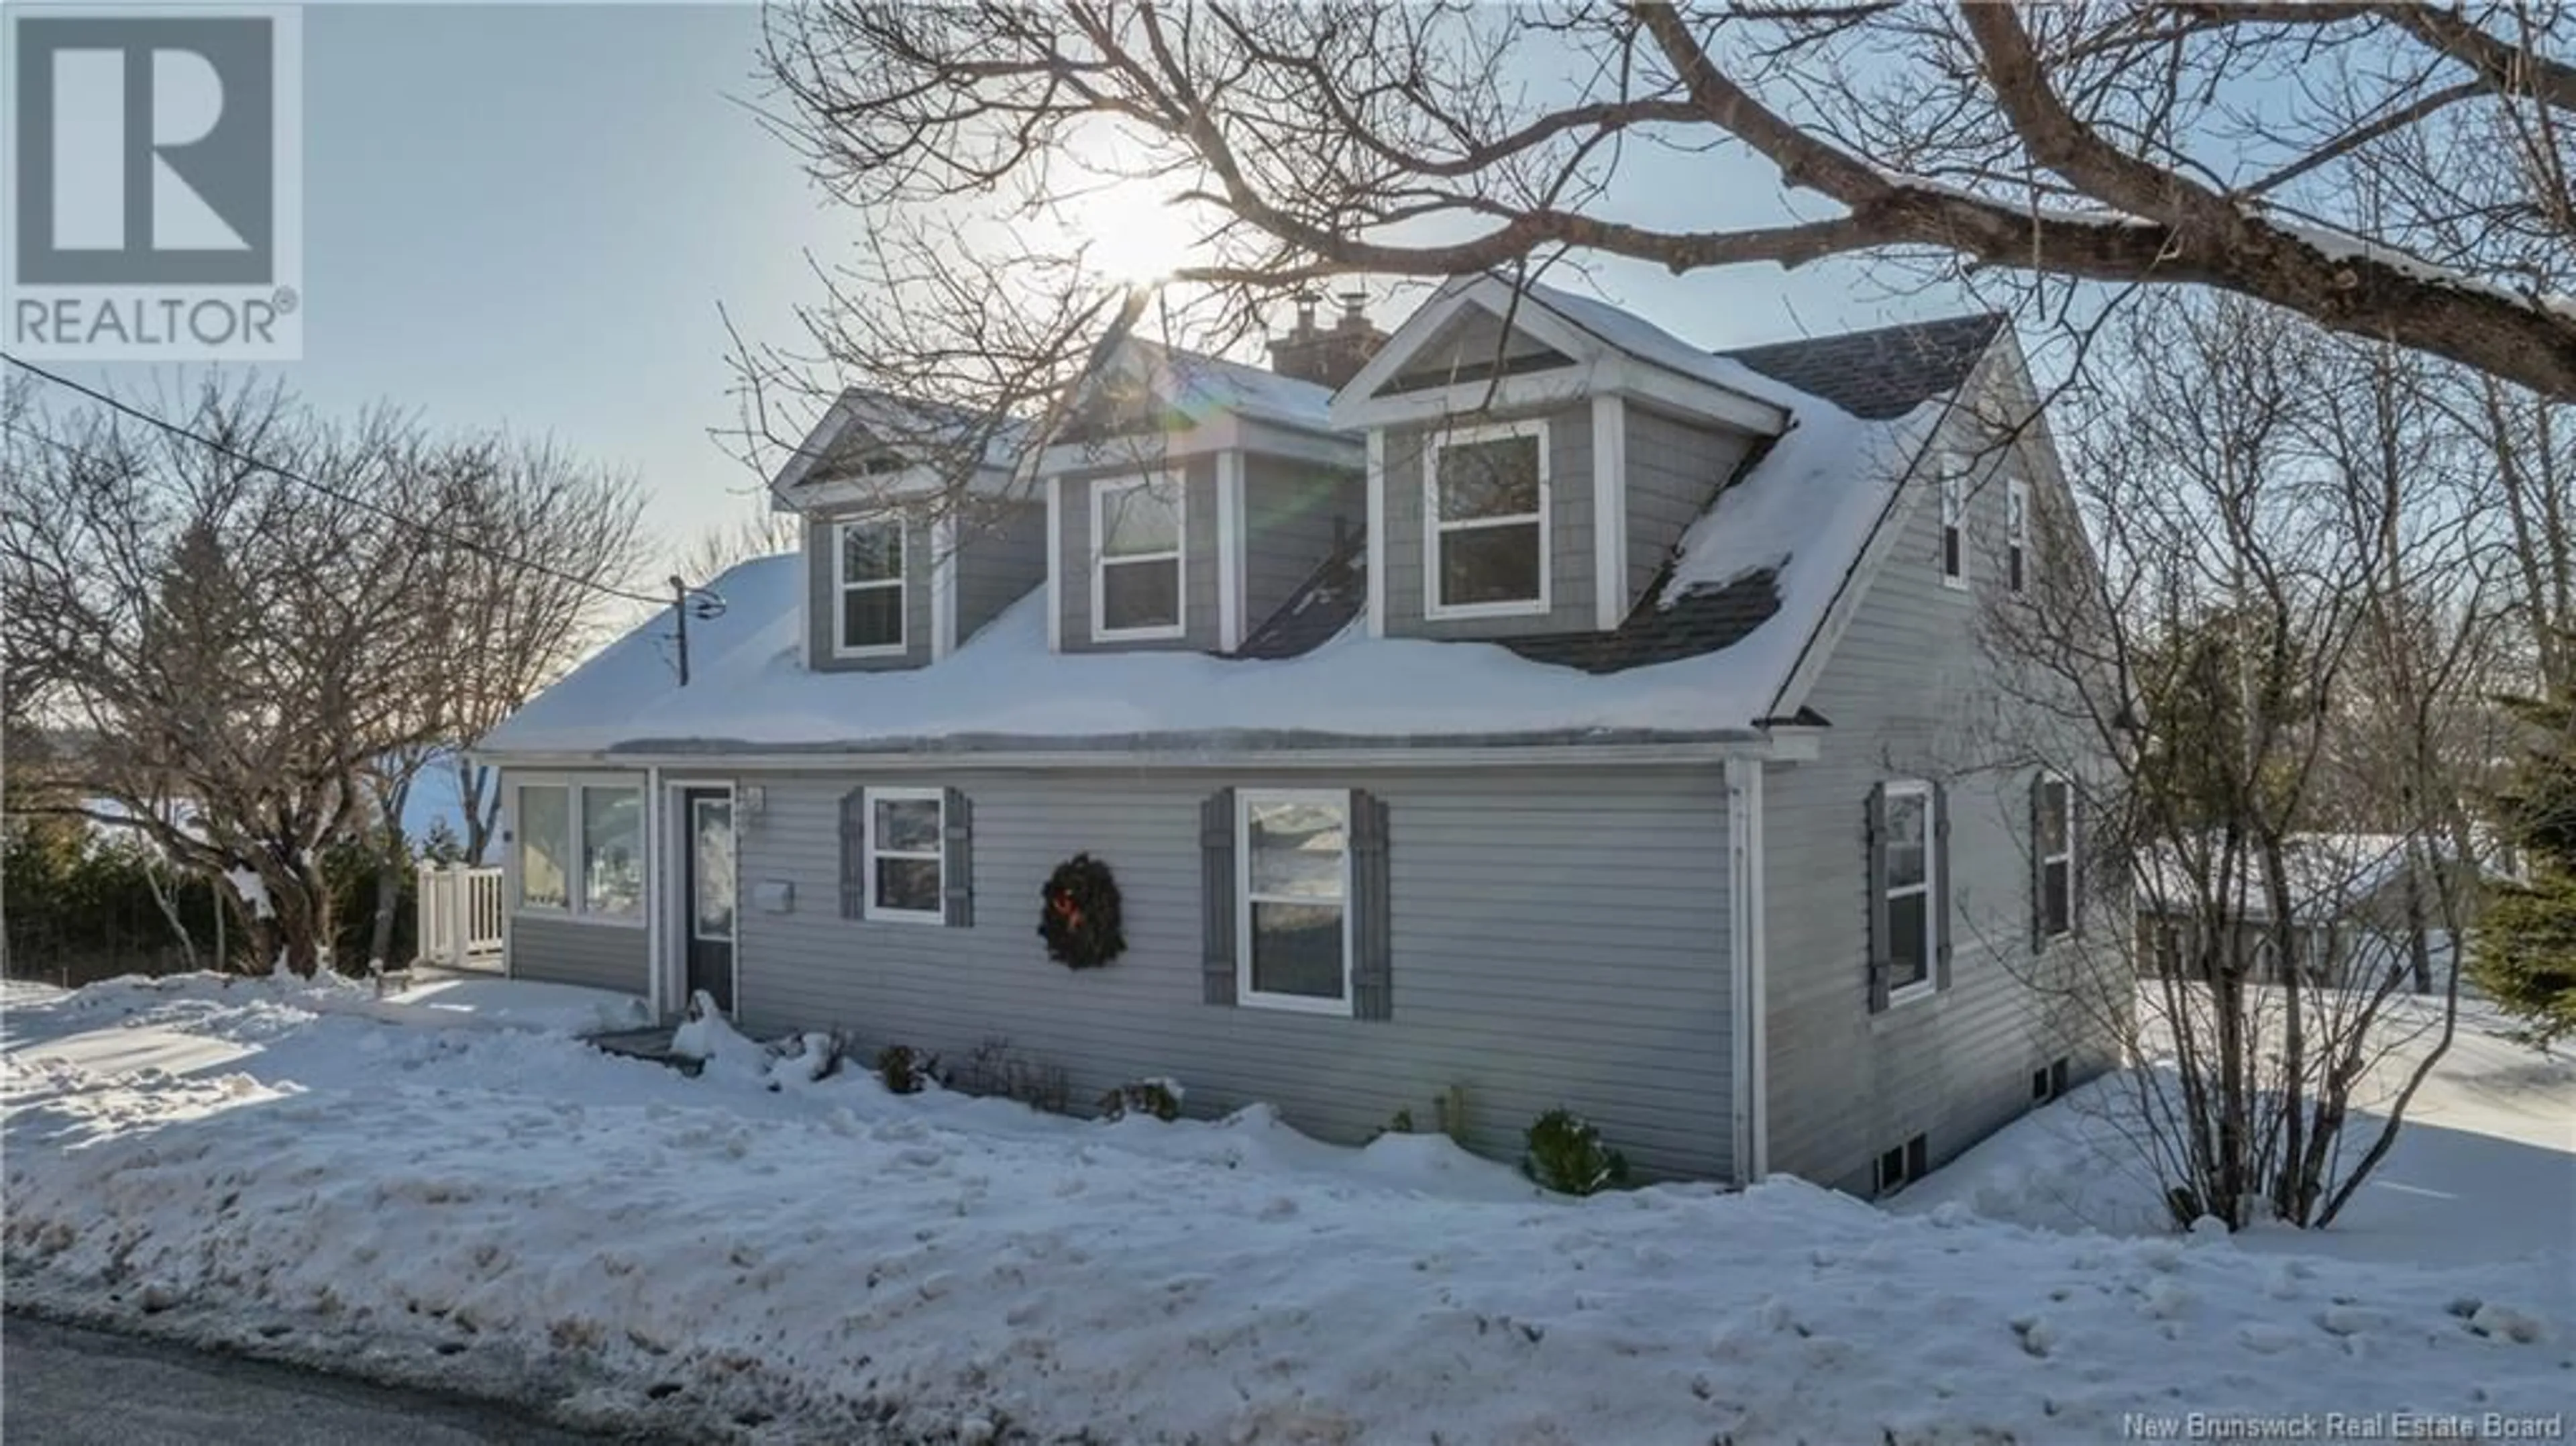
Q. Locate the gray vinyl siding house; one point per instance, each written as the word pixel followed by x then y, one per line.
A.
pixel 1624 854
pixel 1571 600
pixel 594 955
pixel 1077 554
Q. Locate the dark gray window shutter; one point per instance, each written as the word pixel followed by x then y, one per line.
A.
pixel 957 860
pixel 2038 862
pixel 1372 936
pixel 1216 896
pixel 854 853
pixel 1874 871
pixel 1941 883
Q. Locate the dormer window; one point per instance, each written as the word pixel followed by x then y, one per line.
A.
pixel 869 580
pixel 1136 565
pixel 1486 494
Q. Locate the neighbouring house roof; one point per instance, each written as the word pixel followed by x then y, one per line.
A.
pixel 1707 653
pixel 2327 874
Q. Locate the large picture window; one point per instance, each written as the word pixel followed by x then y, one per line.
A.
pixel 545 847
pixel 579 848
pixel 1136 562
pixel 869 573
pixel 906 872
pixel 1910 859
pixel 1293 850
pixel 1485 497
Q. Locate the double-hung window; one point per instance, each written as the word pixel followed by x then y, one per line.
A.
pixel 1913 924
pixel 1293 850
pixel 1954 531
pixel 868 571
pixel 2017 535
pixel 1138 524
pixel 2055 844
pixel 580 849
pixel 1485 496
pixel 905 863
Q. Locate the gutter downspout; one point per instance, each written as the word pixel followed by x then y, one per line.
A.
pixel 1749 937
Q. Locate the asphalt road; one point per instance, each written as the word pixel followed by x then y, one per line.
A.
pixel 62 1386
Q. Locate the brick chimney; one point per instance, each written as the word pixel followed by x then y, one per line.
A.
pixel 1327 356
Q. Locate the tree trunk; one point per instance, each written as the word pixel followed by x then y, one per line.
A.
pixel 389 869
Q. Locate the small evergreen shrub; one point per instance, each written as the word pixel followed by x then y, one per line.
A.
pixel 1566 1155
pixel 1400 1124
pixel 1159 1097
pixel 906 1070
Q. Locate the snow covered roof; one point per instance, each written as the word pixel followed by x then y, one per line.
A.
pixel 889 445
pixel 1709 654
pixel 1646 341
pixel 1801 515
pixel 1200 385
pixel 1003 691
pixel 2327 874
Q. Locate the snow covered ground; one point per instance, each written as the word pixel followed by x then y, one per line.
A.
pixel 2483 1172
pixel 758 1254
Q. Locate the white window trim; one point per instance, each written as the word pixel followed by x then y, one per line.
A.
pixel 842 587
pixel 1244 993
pixel 2066 832
pixel 574 909
pixel 869 908
pixel 1930 983
pixel 1433 528
pixel 1101 561
pixel 1954 518
pixel 2017 536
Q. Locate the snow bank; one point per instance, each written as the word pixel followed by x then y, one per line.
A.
pixel 506 1210
pixel 2484 1171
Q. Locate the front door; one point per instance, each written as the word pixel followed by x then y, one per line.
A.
pixel 708 889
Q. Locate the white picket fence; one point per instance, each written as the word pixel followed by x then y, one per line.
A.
pixel 460 916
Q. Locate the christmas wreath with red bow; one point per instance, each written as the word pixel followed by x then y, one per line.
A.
pixel 1080 922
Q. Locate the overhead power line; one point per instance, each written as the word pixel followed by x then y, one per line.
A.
pixel 454 539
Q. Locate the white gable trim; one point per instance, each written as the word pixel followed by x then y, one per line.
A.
pixel 1599 366
pixel 1609 510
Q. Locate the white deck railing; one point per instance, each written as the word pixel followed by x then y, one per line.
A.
pixel 460 916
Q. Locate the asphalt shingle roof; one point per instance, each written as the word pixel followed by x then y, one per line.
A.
pixel 1882 373
pixel 1324 604
pixel 1703 621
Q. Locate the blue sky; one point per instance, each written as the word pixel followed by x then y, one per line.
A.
pixel 529 216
